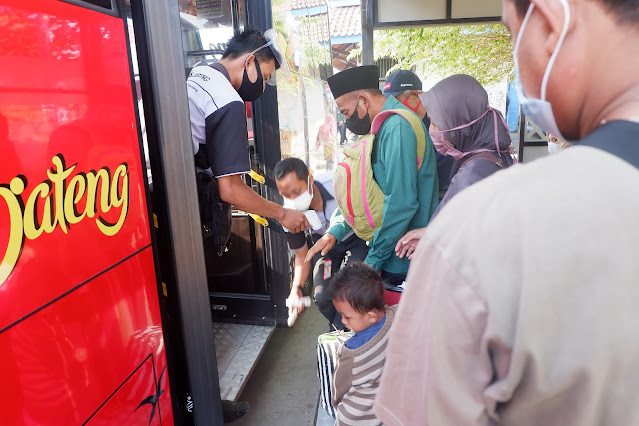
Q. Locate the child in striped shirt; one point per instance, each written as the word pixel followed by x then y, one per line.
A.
pixel 357 292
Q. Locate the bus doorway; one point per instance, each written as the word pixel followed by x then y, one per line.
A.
pixel 248 280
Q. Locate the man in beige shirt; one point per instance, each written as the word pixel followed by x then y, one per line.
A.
pixel 514 316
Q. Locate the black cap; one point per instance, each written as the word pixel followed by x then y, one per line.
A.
pixel 401 80
pixel 352 79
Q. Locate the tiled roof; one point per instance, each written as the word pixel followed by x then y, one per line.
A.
pixel 316 29
pixel 305 4
pixel 346 21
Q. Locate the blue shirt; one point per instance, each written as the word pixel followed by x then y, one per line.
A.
pixel 360 338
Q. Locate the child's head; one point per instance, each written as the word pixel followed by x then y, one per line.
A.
pixel 357 291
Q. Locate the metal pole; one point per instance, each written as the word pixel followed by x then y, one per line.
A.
pixel 522 134
pixel 307 136
pixel 368 57
pixel 165 69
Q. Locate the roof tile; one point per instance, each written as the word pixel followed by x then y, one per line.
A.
pixel 305 4
pixel 346 21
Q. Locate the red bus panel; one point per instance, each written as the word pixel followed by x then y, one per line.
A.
pixel 80 328
pixel 98 345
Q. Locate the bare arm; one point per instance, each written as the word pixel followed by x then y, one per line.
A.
pixel 234 191
pixel 302 270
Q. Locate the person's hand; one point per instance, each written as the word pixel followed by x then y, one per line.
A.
pixel 293 220
pixel 407 244
pixel 324 244
pixel 294 300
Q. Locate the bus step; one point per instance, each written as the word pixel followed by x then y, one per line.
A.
pixel 238 347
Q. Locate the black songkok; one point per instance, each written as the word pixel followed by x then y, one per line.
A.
pixel 350 80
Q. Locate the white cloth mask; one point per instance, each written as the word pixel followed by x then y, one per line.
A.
pixel 303 201
pixel 540 110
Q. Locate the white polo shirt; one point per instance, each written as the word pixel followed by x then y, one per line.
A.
pixel 218 120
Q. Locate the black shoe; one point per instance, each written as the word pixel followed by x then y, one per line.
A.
pixel 233 410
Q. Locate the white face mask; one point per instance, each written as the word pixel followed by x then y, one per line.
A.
pixel 553 148
pixel 303 201
pixel 540 110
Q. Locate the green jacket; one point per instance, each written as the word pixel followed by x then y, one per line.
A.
pixel 410 196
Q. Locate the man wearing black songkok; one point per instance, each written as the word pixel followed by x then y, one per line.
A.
pixel 410 195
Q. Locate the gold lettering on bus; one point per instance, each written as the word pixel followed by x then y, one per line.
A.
pixel 58 203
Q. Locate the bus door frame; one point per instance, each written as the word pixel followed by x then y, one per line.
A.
pixel 274 261
pixel 188 326
pixel 267 139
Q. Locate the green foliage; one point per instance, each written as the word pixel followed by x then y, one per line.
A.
pixel 483 51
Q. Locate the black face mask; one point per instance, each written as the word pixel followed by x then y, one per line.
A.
pixel 249 91
pixel 359 126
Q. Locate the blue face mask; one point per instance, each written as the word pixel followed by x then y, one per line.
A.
pixel 540 110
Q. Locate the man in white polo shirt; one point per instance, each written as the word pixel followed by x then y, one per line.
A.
pixel 218 119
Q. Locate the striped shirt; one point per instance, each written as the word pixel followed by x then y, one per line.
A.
pixel 357 377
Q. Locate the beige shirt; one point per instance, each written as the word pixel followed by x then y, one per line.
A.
pixel 522 302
